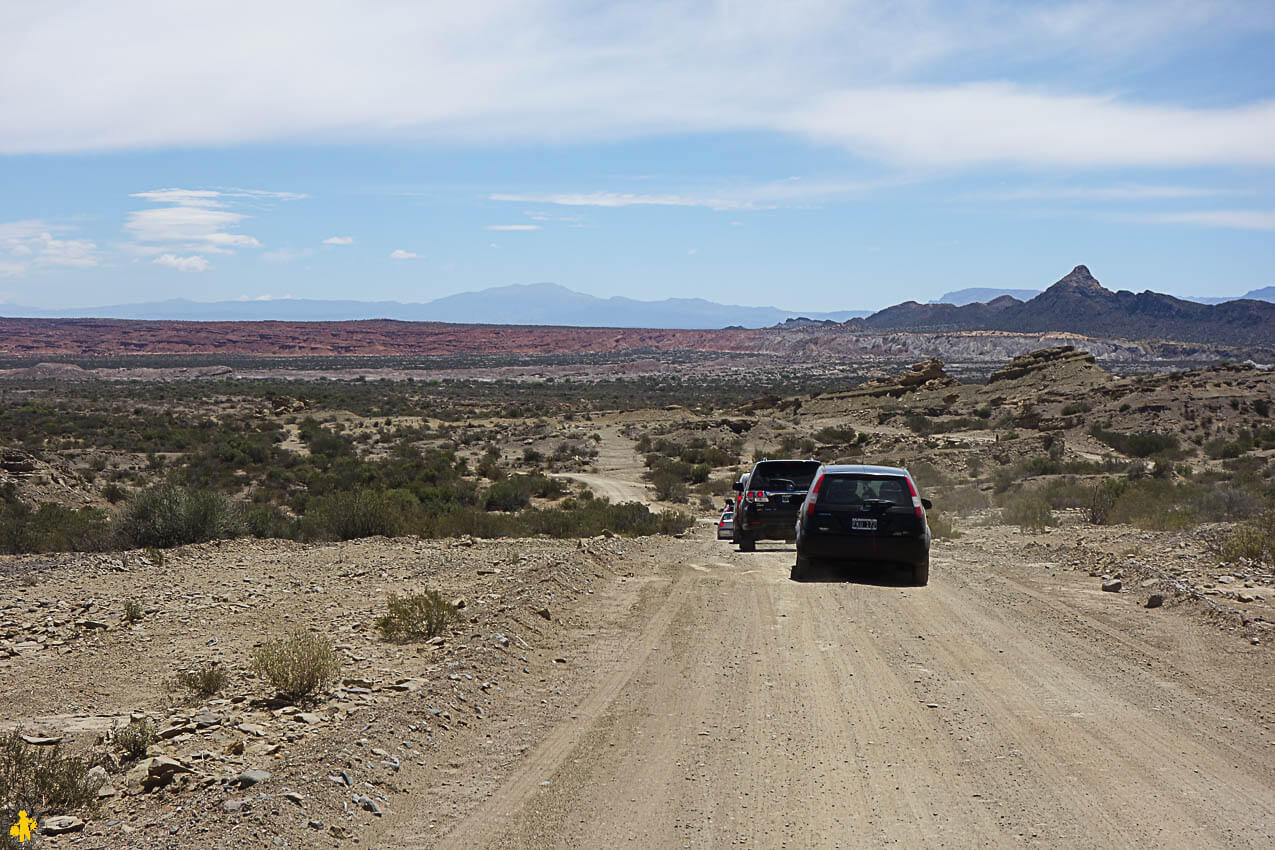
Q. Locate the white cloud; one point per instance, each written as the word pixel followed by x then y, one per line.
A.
pixel 1230 219
pixel 400 254
pixel 30 244
pixel 193 263
pixel 983 123
pixel 1102 193
pixel 286 255
pixel 625 199
pixel 845 72
pixel 513 227
pixel 213 197
pixel 339 240
pixel 78 253
pixel 184 197
pixel 265 298
pixel 197 219
pixel 765 196
pixel 200 228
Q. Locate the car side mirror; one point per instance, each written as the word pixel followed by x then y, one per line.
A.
pixel 927 504
pixel 737 487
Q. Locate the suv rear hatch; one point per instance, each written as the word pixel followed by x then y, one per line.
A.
pixel 773 495
pixel 860 505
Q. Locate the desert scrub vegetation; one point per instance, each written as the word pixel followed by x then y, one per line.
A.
pixel 1253 540
pixel 417 617
pixel 941 527
pixel 203 681
pixel 50 527
pixel 1142 444
pixel 168 515
pixel 297 665
pixel 133 740
pixel 1027 509
pixel 41 780
pixel 133 611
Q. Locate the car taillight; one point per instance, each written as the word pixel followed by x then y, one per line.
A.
pixel 814 496
pixel 916 500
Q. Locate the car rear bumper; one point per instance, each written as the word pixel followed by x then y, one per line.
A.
pixel 725 533
pixel 768 527
pixel 867 547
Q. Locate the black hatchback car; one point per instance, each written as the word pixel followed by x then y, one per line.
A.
pixel 864 513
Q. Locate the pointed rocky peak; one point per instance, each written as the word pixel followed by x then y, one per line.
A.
pixel 1079 280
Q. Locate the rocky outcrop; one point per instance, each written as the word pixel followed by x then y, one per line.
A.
pixel 927 374
pixel 1041 360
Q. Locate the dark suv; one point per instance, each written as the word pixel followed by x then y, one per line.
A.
pixel 864 513
pixel 770 498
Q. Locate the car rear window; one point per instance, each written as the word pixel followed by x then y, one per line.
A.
pixel 784 476
pixel 857 489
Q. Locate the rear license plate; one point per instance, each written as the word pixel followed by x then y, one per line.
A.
pixel 863 525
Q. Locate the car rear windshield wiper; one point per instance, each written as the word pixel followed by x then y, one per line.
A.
pixel 876 503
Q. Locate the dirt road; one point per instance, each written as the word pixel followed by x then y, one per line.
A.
pixel 1002 705
pixel 617 471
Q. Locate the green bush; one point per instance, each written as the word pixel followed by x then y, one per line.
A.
pixel 417 617
pixel 41 780
pixel 351 515
pixel 1140 444
pixel 669 487
pixel 516 491
pixel 297 665
pixel 168 515
pixel 962 501
pixel 1254 540
pixel 1029 510
pixel 133 611
pixel 204 681
pixel 836 434
pixel 51 528
pixel 1065 493
pixel 133 740
pixel 1101 499
pixel 941 527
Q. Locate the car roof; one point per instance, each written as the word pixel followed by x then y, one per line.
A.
pixel 862 469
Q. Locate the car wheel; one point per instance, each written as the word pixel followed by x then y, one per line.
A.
pixel 801 568
pixel 921 574
pixel 747 544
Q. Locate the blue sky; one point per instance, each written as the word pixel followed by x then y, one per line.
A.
pixel 811 155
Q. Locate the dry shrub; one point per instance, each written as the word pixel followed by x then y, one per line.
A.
pixel 417 617
pixel 133 740
pixel 40 780
pixel 297 665
pixel 204 681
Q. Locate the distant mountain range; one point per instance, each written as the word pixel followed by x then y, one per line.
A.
pixel 1080 304
pixel 518 304
pixel 975 295
pixel 1077 303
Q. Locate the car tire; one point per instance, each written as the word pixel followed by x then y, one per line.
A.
pixel 921 574
pixel 800 568
pixel 747 544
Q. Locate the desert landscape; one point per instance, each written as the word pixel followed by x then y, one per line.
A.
pixel 701 425
pixel 498 580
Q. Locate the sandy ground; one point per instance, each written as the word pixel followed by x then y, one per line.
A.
pixel 673 693
pixel 1002 705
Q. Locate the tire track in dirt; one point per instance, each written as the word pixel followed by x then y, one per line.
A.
pixel 486 824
